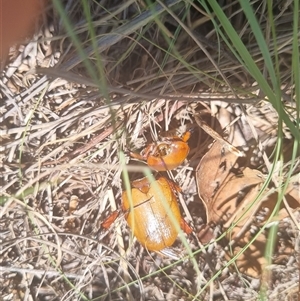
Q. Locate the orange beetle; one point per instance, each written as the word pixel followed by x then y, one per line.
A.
pixel 166 154
pixel 148 217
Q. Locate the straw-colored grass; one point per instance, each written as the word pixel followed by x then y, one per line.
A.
pixel 101 78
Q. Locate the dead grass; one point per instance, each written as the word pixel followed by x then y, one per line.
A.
pixel 66 124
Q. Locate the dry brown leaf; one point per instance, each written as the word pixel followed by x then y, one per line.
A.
pixel 232 195
pixel 230 200
pixel 213 169
pixel 252 260
pixel 246 215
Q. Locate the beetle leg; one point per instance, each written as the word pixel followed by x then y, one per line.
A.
pixel 149 150
pixel 174 186
pixel 145 153
pixel 110 219
pixel 185 227
pixel 136 156
pixel 186 136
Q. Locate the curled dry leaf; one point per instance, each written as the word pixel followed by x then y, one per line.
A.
pixel 249 218
pixel 218 137
pixel 213 170
pixel 232 195
pixel 231 200
pixel 251 261
pixel 251 215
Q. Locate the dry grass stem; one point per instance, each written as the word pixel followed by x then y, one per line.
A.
pixel 101 79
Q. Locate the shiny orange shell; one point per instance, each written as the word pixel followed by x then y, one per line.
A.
pixel 168 155
pixel 148 218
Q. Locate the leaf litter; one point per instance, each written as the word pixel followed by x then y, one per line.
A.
pixel 61 171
